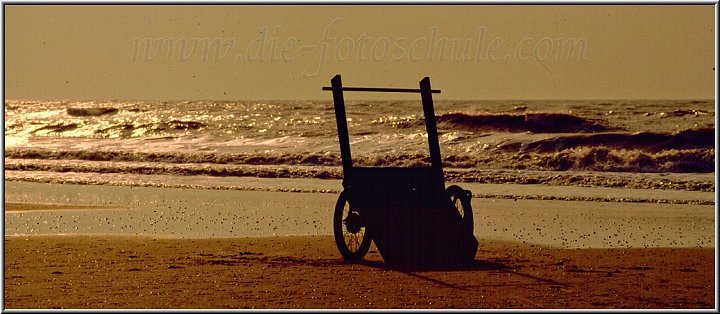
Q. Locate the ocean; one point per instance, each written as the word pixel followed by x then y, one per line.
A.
pixel 618 143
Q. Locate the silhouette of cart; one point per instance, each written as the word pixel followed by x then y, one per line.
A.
pixel 413 219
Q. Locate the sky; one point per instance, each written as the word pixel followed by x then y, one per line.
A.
pixel 238 52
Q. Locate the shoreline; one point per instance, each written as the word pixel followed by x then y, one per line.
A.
pixel 507 190
pixel 57 170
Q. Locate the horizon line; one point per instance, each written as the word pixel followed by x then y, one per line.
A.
pixel 368 99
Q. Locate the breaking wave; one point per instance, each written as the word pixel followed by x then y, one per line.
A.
pixel 646 141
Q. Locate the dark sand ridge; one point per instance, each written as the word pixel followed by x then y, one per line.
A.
pixel 18 207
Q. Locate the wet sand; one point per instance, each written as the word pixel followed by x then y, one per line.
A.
pixel 201 213
pixel 190 248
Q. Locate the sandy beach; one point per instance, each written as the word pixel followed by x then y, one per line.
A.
pixel 306 272
pixel 192 157
pixel 85 246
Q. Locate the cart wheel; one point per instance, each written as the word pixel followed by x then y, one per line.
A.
pixel 460 199
pixel 351 236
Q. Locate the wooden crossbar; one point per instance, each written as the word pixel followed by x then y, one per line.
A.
pixel 382 90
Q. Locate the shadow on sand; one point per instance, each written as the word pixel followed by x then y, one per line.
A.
pixel 243 258
pixel 475 265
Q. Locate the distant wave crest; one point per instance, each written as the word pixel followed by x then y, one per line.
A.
pixel 90 112
pixel 529 122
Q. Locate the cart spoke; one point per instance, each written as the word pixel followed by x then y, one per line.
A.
pixel 354 240
pixel 458 205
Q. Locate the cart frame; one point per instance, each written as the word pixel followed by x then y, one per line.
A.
pixel 425 92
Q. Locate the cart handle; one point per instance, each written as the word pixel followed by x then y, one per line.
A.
pixel 383 90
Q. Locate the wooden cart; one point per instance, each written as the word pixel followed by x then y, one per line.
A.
pixel 413 219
